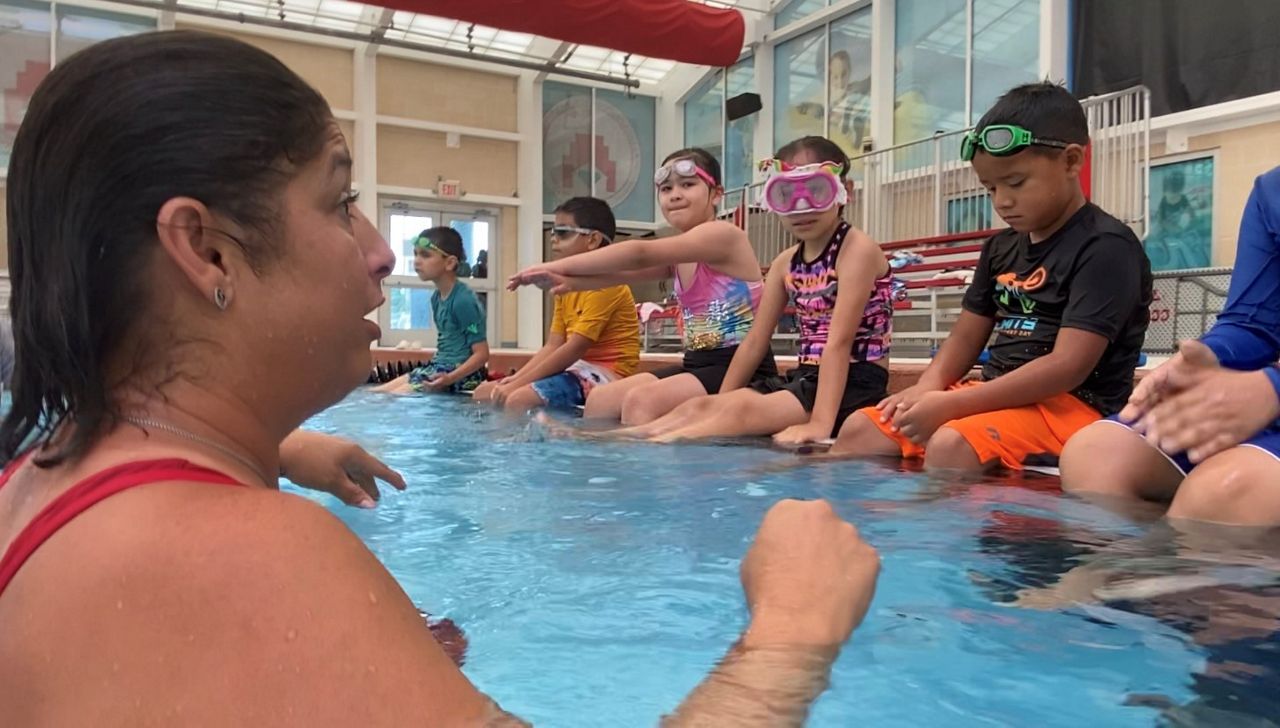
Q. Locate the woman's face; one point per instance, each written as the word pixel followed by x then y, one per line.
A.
pixel 312 304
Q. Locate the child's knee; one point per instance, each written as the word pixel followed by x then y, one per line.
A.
pixel 1106 459
pixel 739 403
pixel 1237 487
pixel 856 432
pixel 949 450
pixel 639 407
pixel 522 400
pixel 602 402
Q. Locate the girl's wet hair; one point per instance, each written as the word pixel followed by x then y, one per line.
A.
pixel 113 133
pixel 820 147
pixel 705 160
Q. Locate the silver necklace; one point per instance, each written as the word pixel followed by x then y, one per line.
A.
pixel 188 435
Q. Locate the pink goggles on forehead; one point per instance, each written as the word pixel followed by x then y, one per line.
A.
pixel 798 190
pixel 683 168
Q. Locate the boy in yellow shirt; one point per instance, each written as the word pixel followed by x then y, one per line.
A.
pixel 595 335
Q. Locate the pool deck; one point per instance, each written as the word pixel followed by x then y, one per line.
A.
pixel 902 372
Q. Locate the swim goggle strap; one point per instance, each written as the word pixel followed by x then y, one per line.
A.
pixel 424 244
pixel 793 190
pixel 1002 140
pixel 683 168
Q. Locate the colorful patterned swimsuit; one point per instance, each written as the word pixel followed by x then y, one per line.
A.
pixel 812 287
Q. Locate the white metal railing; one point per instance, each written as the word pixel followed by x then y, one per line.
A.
pixel 921 189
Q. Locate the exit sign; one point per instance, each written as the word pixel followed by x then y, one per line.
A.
pixel 449 189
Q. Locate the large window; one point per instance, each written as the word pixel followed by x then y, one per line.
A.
pixel 706 124
pixel 794 10
pixel 933 48
pixel 739 134
pixel 928 84
pixel 800 87
pixel 704 117
pixel 849 80
pixel 599 143
pixel 24 62
pixel 79 28
pixel 28 45
pixel 1006 49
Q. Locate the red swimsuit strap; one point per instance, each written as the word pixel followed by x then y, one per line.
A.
pixel 84 495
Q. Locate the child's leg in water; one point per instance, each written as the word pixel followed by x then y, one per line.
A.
pixel 689 411
pixel 742 413
pixel 605 401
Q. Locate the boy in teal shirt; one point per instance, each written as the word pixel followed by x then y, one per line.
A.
pixel 461 347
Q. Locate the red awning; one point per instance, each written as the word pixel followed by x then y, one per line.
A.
pixel 678 30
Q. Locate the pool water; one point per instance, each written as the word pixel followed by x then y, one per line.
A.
pixel 598 583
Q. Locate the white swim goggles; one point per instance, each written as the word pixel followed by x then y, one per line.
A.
pixel 683 168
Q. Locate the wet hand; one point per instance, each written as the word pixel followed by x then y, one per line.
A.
pixel 922 418
pixel 437 383
pixel 803 433
pixel 539 275
pixel 500 394
pixel 1190 366
pixel 1223 409
pixel 808 578
pixel 895 403
pixel 336 466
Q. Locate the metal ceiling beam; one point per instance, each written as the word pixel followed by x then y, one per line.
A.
pixel 379 39
pixel 558 56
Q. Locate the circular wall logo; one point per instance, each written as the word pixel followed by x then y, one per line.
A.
pixel 567 148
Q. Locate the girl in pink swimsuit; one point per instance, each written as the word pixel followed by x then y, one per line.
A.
pixel 715 276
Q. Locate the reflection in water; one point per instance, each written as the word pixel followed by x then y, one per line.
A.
pixel 1218 587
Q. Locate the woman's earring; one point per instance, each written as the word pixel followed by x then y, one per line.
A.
pixel 220 299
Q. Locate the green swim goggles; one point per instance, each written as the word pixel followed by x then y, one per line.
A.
pixel 1001 140
pixel 424 244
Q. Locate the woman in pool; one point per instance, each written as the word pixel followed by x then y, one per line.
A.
pixel 176 202
pixel 714 273
pixel 841 285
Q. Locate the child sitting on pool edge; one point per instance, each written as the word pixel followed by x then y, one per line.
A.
pixel 461 347
pixel 595 335
pixel 713 271
pixel 1065 288
pixel 841 286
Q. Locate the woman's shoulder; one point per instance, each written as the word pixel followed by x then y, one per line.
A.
pixel 230 583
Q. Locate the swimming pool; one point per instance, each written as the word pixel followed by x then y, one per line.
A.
pixel 597 583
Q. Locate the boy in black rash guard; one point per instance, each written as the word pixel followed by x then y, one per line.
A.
pixel 1065 289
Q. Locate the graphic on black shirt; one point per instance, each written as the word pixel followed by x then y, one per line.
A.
pixel 1092 275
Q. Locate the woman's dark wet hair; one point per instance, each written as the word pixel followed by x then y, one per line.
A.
pixel 705 160
pixel 113 133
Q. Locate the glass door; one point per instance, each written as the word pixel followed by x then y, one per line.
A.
pixel 406 316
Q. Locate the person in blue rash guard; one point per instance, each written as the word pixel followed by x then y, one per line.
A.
pixel 1201 431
